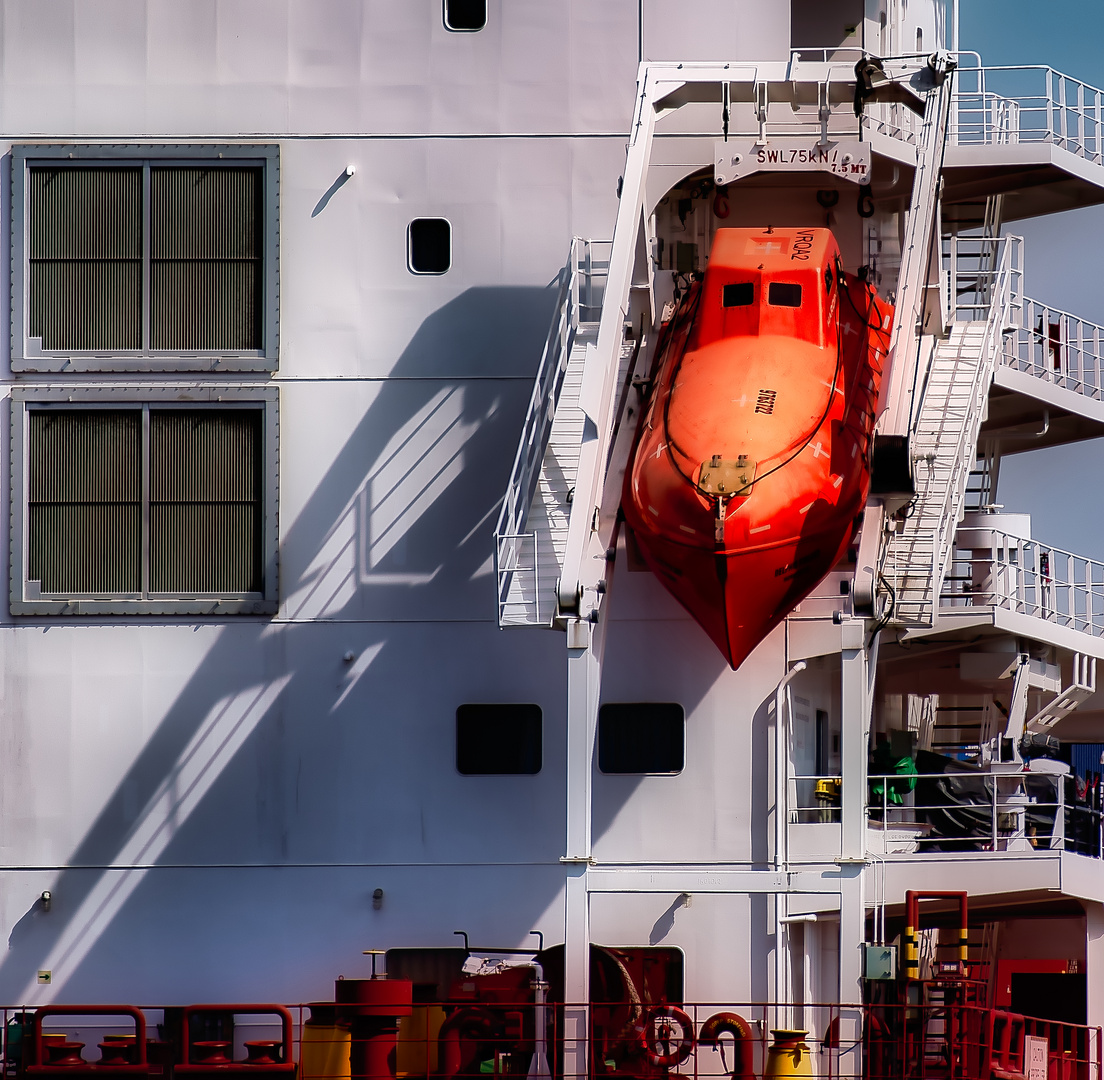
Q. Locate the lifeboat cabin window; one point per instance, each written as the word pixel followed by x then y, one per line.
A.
pixel 498 740
pixel 429 246
pixel 784 294
pixel 739 294
pixel 828 280
pixel 641 737
pixel 465 16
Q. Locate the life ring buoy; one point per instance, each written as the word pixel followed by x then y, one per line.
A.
pixel 664 1047
pixel 730 1023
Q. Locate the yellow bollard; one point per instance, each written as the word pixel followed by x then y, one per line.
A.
pixel 788 1055
pixel 324 1054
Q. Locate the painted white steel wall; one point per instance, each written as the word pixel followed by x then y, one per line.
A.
pixel 212 803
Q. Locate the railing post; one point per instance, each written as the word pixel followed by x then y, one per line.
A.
pixel 1050 106
pixel 993 806
pixel 1058 837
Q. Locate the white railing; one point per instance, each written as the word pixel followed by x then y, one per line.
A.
pixel 579 299
pixel 1058 348
pixel 975 276
pixel 1027 577
pixel 1029 104
pixel 969 809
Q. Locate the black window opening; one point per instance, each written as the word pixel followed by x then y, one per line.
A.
pixel 641 737
pixel 145 502
pixel 465 16
pixel 429 246
pixel 828 280
pixel 739 294
pixel 784 294
pixel 145 257
pixel 498 740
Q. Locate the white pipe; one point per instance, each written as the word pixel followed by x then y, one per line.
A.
pixel 781 751
pixel 538 1065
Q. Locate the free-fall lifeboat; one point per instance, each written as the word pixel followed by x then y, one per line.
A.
pixel 751 465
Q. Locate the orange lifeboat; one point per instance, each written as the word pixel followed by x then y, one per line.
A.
pixel 752 461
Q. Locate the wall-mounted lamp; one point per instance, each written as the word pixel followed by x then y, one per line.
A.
pixel 47 898
pixel 350 170
pixel 377 899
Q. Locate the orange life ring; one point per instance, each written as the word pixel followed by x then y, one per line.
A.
pixel 663 1048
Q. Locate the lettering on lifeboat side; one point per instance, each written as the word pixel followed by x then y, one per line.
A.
pixel 802 245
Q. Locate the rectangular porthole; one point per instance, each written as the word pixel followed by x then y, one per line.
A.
pixel 429 246
pixel 641 737
pixel 738 294
pixel 784 294
pixel 498 740
pixel 465 16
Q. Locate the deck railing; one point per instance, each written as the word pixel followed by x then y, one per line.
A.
pixel 1005 105
pixel 998 570
pixel 648 1036
pixel 1057 347
pixel 969 810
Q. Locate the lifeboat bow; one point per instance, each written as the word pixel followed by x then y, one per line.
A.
pixel 751 465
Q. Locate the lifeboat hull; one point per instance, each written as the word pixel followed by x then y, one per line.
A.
pixel 751 466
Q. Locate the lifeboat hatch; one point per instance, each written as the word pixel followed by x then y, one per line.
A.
pixel 727 478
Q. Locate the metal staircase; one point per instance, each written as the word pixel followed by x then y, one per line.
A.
pixel 530 563
pixel 532 525
pixel 943 437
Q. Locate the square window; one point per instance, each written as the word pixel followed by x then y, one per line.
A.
pixel 641 737
pixel 498 740
pixel 143 507
pixel 784 294
pixel 738 294
pixel 429 246
pixel 465 15
pixel 129 262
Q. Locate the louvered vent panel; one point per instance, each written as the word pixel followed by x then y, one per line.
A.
pixel 206 501
pixel 84 261
pixel 206 252
pixel 84 501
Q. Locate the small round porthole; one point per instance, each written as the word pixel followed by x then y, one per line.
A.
pixel 465 16
pixel 429 246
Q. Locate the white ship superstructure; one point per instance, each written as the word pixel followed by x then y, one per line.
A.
pixel 331 325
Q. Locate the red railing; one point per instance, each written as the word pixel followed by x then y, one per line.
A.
pixel 940 1034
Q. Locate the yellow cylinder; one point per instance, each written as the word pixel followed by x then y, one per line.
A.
pixel 788 1055
pixel 912 953
pixel 324 1053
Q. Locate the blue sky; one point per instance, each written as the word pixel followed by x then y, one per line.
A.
pixel 1064 266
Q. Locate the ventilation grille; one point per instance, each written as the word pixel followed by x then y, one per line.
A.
pixel 86 260
pixel 206 270
pixel 205 501
pixel 84 504
pixel 204 517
